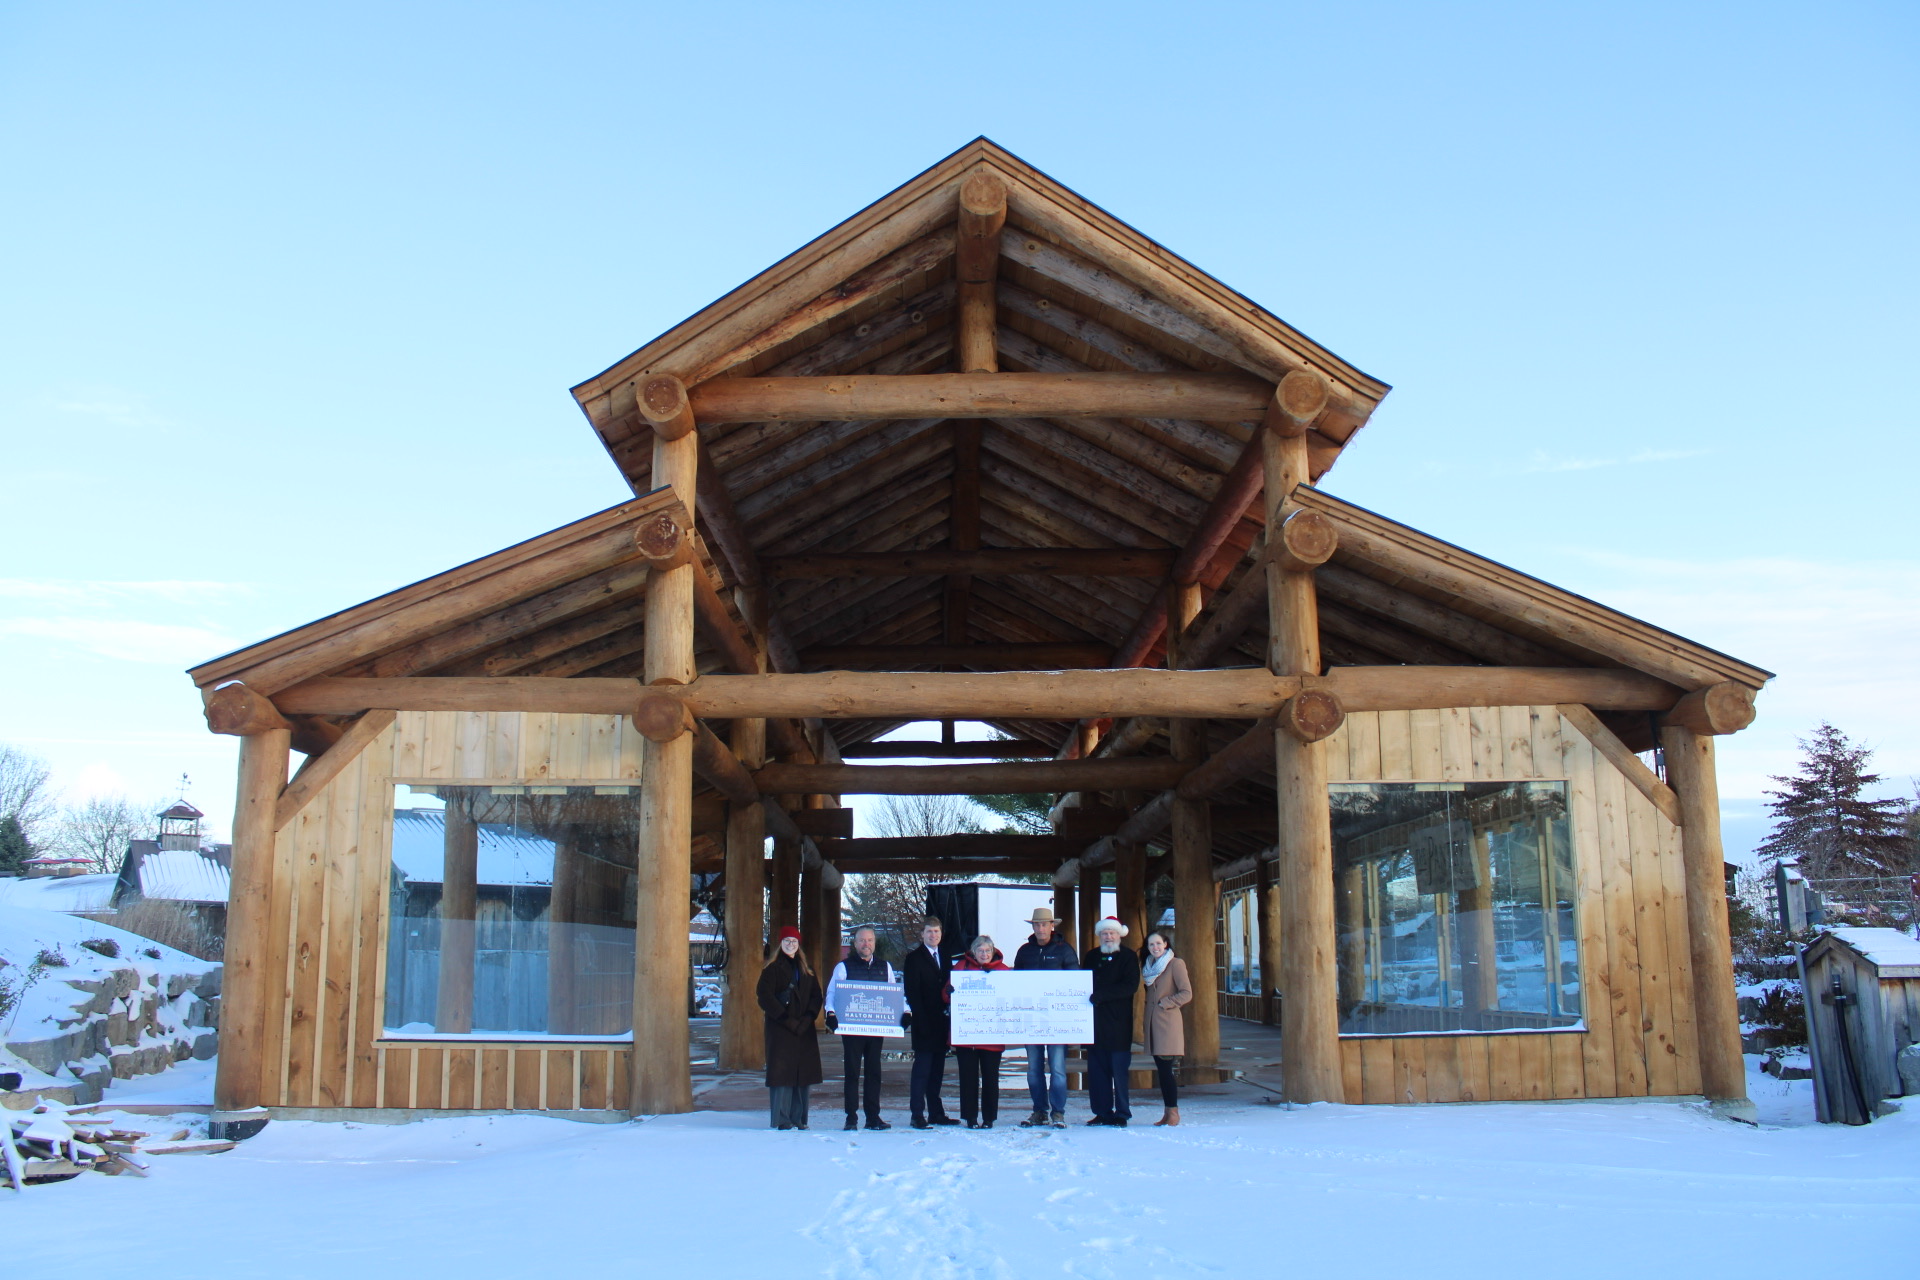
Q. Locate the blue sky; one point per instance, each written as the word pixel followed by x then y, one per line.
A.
pixel 294 295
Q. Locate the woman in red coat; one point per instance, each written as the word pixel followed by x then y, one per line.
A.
pixel 979 1063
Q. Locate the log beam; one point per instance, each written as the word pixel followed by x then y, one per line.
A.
pixel 968 779
pixel 934 848
pixel 1202 397
pixel 1123 562
pixel 1006 657
pixel 664 404
pixel 1224 694
pixel 898 748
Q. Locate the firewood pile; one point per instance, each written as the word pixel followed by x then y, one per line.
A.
pixel 52 1144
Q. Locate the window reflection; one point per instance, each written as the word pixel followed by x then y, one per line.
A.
pixel 512 910
pixel 1455 907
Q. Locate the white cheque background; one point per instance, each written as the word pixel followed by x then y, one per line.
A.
pixel 1022 1006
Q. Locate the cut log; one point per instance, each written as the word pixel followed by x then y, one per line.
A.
pixel 1721 708
pixel 663 541
pixel 1197 396
pixel 664 404
pixel 1114 562
pixel 662 717
pixel 233 708
pixel 1300 398
pixel 968 779
pixel 1307 540
pixel 1312 714
pixel 250 984
pixel 1690 771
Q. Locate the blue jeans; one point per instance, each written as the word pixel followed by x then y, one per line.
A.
pixel 1047 1076
pixel 1107 1082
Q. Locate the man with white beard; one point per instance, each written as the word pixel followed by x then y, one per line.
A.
pixel 1116 976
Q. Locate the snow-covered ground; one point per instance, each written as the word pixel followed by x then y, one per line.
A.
pixel 1567 1190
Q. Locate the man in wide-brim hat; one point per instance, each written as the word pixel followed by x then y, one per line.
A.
pixel 1046 1063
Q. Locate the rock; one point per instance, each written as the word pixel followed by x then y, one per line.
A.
pixel 209 984
pixel 1909 1064
pixel 205 1046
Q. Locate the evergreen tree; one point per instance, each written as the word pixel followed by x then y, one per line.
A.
pixel 14 848
pixel 1821 821
pixel 1020 813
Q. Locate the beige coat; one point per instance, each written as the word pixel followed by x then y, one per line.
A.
pixel 1165 1035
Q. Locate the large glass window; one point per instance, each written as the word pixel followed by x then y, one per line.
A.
pixel 1240 934
pixel 1455 907
pixel 512 910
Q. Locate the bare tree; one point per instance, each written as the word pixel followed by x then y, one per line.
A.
pixel 893 903
pixel 26 792
pixel 100 828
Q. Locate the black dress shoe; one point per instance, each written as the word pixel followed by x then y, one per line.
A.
pixel 986 1124
pixel 943 1120
pixel 1100 1120
pixel 875 1122
pixel 785 1127
pixel 975 1124
pixel 920 1122
pixel 853 1121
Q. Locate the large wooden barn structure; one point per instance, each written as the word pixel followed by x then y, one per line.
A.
pixel 982 452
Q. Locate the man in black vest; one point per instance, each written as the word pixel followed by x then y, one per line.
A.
pixel 860 1055
pixel 926 975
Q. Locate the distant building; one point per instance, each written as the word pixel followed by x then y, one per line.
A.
pixel 179 865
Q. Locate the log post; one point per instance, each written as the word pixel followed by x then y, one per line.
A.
pixel 563 907
pixel 246 1001
pixel 783 893
pixel 1690 772
pixel 983 211
pixel 809 926
pixel 1309 974
pixel 1130 906
pixel 459 902
pixel 1088 913
pixel 1195 893
pixel 1269 893
pixel 662 1068
pixel 742 1046
pixel 1066 912
pixel 1473 915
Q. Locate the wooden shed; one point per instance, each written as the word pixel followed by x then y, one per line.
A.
pixel 1863 1010
pixel 981 452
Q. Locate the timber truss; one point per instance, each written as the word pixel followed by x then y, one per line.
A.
pixel 980 452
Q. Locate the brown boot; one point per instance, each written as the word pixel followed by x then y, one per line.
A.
pixel 1172 1117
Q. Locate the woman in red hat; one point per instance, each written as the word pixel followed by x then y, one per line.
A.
pixel 789 996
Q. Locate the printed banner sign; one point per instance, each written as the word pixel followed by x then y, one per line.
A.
pixel 869 1008
pixel 1023 1006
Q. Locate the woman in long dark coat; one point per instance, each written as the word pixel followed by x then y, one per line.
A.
pixel 789 996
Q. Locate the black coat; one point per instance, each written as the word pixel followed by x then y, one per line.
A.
pixel 1057 954
pixel 1115 978
pixel 790 998
pixel 926 983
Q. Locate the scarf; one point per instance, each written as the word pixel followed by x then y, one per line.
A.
pixel 1155 966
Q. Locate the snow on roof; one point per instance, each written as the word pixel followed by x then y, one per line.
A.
pixel 181 809
pixel 1890 949
pixel 183 875
pixel 506 856
pixel 58 893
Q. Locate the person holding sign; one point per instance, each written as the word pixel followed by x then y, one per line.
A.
pixel 979 1063
pixel 1046 1063
pixel 1165 1036
pixel 1116 976
pixel 860 1054
pixel 926 982
pixel 789 996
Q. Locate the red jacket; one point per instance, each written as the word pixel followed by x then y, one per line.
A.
pixel 968 962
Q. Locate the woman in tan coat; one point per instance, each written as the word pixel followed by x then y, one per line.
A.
pixel 1165 977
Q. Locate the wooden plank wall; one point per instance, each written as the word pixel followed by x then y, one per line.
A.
pixel 329 916
pixel 1635 973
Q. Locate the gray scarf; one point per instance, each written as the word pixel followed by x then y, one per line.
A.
pixel 1155 966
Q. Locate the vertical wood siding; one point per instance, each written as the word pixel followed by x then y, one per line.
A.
pixel 328 923
pixel 1636 976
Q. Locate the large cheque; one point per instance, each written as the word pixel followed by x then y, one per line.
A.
pixel 869 1008
pixel 1023 1006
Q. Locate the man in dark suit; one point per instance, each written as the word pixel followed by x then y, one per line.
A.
pixel 925 971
